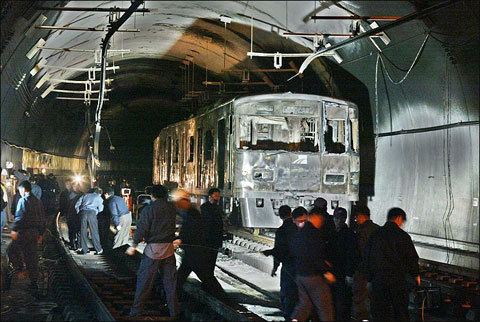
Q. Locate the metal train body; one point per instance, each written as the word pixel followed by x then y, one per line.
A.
pixel 264 151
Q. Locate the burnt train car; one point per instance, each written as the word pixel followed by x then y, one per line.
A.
pixel 264 151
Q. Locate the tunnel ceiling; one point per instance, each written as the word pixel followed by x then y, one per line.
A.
pixel 150 89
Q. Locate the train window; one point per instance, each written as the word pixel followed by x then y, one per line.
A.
pixel 177 151
pixel 208 145
pixel 354 142
pixel 191 150
pixel 279 133
pixel 334 136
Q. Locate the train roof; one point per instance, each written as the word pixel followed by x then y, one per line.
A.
pixel 266 97
pixel 287 95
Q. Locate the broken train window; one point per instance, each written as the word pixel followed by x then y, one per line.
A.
pixel 334 129
pixel 279 133
pixel 335 136
pixel 208 145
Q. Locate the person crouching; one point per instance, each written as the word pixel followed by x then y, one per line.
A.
pixel 121 217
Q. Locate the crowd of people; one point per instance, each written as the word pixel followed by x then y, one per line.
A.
pixel 329 271
pixel 332 272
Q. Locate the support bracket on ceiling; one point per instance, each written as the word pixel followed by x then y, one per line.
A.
pixel 278 57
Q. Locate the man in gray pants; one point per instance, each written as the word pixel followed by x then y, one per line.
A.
pixel 88 206
pixel 121 217
pixel 156 227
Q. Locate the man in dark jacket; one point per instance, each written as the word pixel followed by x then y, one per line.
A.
pixel 313 273
pixel 192 239
pixel 281 254
pixel 329 226
pixel 156 226
pixel 27 231
pixel 364 229
pixel 390 260
pixel 344 257
pixel 212 214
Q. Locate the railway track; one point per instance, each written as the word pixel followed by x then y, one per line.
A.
pixel 110 284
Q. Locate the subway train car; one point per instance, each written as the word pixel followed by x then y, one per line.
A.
pixel 264 151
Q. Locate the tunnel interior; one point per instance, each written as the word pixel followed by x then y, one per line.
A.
pixel 417 94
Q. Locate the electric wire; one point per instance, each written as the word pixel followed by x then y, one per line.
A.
pixel 417 56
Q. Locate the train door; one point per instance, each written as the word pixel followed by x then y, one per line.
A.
pixel 221 141
pixel 335 162
pixel 169 158
pixel 199 157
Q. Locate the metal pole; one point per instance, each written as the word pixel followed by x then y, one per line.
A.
pixel 105 43
pixel 355 17
pixel 114 9
pixel 81 29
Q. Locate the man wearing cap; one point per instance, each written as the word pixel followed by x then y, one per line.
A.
pixel 391 262
pixel 156 226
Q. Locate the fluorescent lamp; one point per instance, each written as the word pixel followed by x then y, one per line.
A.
pixel 38 67
pixel 42 80
pixel 40 43
pixel 38 22
pixel 382 35
pixel 225 19
pixel 47 91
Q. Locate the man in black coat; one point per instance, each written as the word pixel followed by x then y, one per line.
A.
pixel 192 239
pixel 212 214
pixel 281 254
pixel 365 227
pixel 313 273
pixel 390 261
pixel 329 226
pixel 344 260
pixel 27 231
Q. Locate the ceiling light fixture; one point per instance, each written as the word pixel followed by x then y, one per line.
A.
pixel 47 91
pixel 38 67
pixel 383 36
pixel 225 19
pixel 42 80
pixel 38 22
pixel 35 48
pixel 335 55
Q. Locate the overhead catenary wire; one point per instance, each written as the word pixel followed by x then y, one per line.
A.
pixel 415 61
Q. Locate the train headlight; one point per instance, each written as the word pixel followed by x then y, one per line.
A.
pixel 259 202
